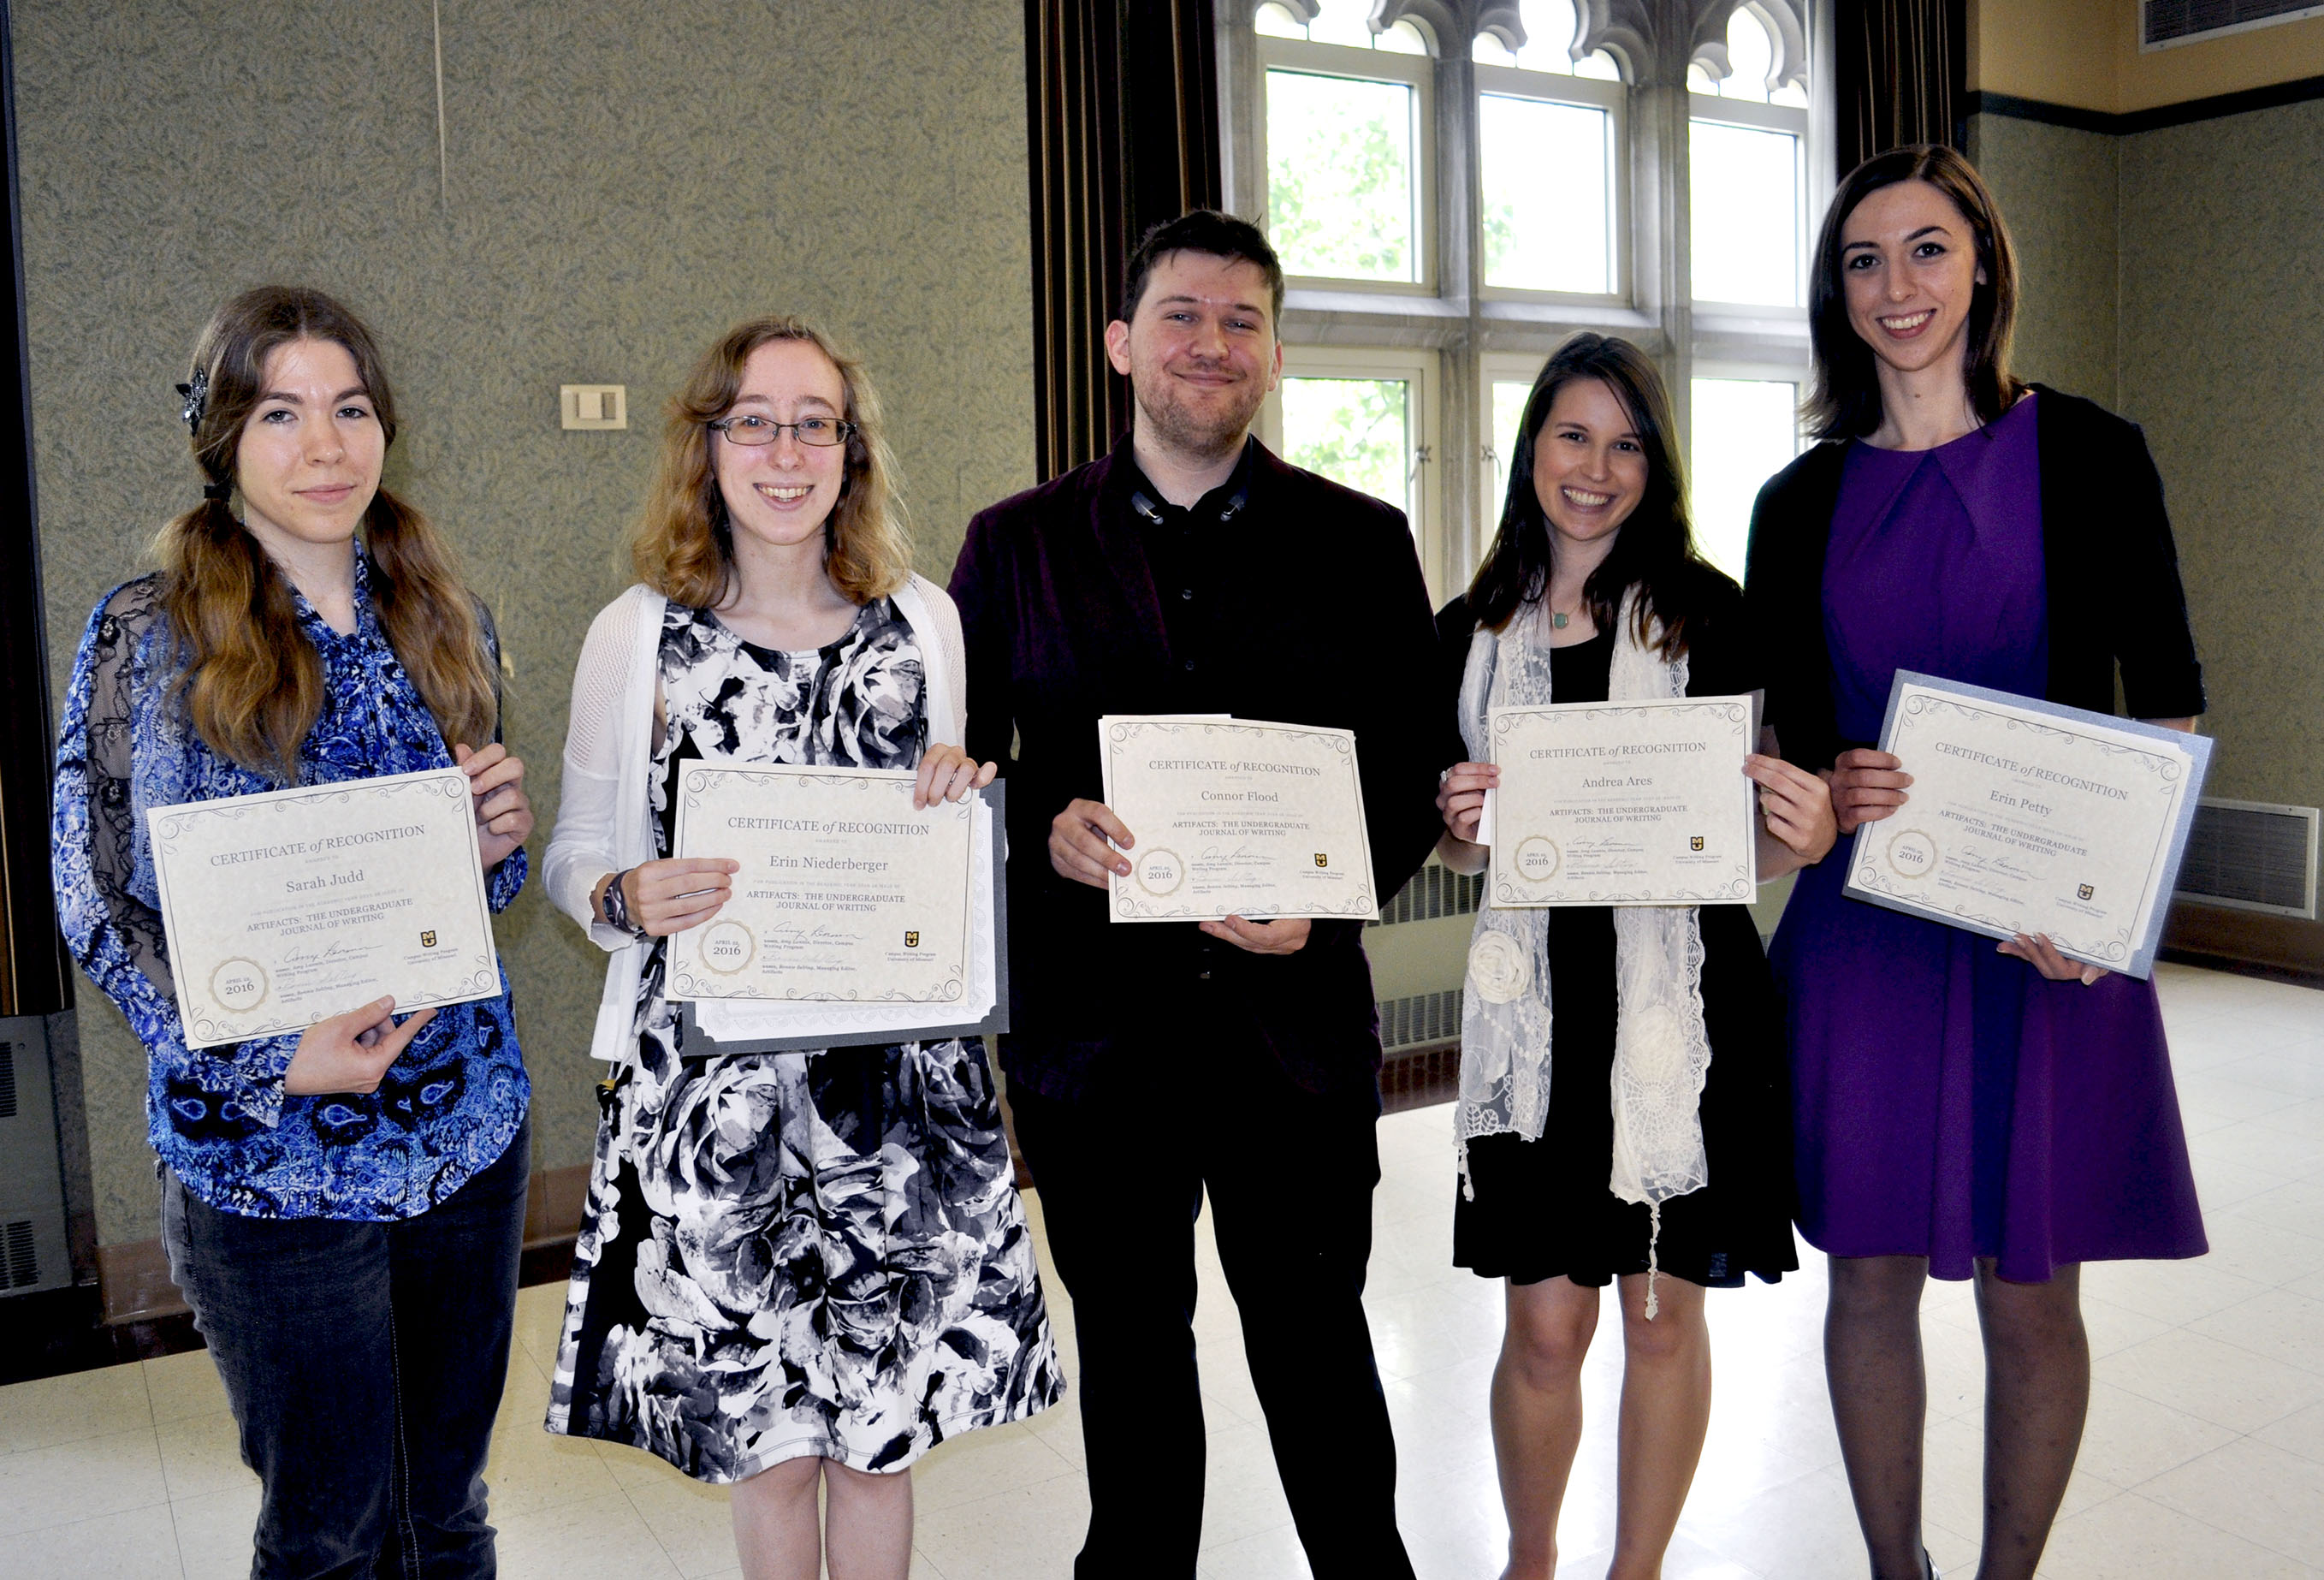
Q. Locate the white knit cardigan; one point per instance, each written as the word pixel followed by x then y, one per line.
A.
pixel 604 822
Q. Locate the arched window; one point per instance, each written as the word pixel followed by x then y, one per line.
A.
pixel 1748 199
pixel 1549 27
pixel 1347 144
pixel 1340 23
pixel 1348 150
pixel 1454 192
pixel 1549 160
pixel 1752 65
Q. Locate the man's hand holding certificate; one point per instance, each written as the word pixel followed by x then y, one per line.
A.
pixel 288 908
pixel 2027 818
pixel 1623 803
pixel 1235 817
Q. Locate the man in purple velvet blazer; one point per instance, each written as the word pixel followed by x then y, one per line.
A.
pixel 1191 571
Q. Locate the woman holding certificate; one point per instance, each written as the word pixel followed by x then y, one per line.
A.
pixel 1681 1180
pixel 2001 1113
pixel 797 1271
pixel 342 1206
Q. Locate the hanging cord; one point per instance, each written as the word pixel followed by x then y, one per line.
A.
pixel 443 147
pixel 1654 1239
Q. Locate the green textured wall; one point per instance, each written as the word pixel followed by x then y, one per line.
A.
pixel 2223 361
pixel 2057 188
pixel 2176 276
pixel 624 181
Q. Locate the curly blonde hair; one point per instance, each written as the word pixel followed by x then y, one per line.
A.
pixel 683 546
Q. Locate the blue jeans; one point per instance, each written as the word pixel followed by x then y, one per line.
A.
pixel 364 1362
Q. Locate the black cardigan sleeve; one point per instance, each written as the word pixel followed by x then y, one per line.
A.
pixel 2141 607
pixel 2115 597
pixel 1782 605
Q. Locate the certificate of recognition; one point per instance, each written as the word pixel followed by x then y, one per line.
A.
pixel 1624 803
pixel 845 894
pixel 2025 816
pixel 1236 817
pixel 289 906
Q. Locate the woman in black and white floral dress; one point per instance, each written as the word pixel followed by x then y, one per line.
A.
pixel 794 1268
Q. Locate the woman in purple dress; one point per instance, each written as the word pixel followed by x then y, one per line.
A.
pixel 2001 1114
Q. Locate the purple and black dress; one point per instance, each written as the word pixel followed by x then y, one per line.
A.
pixel 1947 1101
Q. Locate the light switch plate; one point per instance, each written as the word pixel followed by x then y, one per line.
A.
pixel 594 406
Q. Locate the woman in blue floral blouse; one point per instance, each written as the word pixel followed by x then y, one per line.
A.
pixel 343 1208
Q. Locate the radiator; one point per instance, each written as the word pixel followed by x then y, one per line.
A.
pixel 32 1252
pixel 1419 950
pixel 2251 856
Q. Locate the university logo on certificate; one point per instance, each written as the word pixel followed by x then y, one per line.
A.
pixel 2026 817
pixel 286 908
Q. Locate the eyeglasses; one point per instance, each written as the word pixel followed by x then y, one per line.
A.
pixel 748 427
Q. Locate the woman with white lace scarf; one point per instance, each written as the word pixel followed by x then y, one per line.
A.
pixel 1658 1158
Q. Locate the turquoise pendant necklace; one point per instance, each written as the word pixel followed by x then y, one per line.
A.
pixel 1558 622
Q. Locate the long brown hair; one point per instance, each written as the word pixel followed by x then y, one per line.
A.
pixel 1845 402
pixel 252 684
pixel 1656 550
pixel 683 547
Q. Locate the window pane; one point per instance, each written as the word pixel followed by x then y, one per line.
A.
pixel 1549 35
pixel 1750 57
pixel 1745 431
pixel 1549 30
pixel 1356 431
pixel 1546 216
pixel 1745 197
pixel 1491 51
pixel 1401 38
pixel 1339 183
pixel 1276 22
pixel 1341 21
pixel 1509 411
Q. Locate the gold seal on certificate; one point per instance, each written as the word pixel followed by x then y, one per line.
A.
pixel 2025 816
pixel 1236 817
pixel 845 894
pixel 1624 803
pixel 286 908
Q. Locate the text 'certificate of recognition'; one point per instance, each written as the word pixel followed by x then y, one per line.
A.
pixel 2025 816
pixel 289 906
pixel 847 893
pixel 1236 817
pixel 1624 803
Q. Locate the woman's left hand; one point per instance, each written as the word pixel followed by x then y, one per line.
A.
pixel 1796 805
pixel 496 790
pixel 947 773
pixel 2037 951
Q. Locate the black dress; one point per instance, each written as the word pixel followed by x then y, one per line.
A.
pixel 1542 1208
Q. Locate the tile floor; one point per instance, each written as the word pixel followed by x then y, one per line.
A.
pixel 2205 1453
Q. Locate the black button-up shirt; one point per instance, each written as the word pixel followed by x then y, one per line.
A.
pixel 1303 604
pixel 1191 551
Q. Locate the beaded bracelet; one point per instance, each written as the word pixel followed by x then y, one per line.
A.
pixel 617 906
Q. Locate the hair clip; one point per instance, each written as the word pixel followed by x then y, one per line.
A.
pixel 197 394
pixel 217 490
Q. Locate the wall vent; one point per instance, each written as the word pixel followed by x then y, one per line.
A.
pixel 1420 1020
pixel 19 1257
pixel 2251 856
pixel 1434 892
pixel 2165 23
pixel 33 1248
